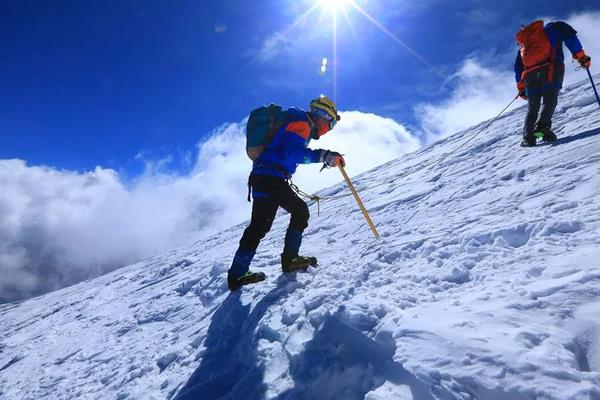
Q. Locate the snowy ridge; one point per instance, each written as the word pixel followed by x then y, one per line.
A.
pixel 492 291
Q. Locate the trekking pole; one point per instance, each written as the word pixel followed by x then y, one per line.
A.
pixel 360 203
pixel 593 85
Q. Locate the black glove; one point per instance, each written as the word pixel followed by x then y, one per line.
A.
pixel 332 158
pixel 585 62
pixel 583 59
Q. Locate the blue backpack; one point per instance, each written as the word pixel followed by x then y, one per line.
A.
pixel 262 125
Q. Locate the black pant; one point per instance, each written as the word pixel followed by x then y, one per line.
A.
pixel 278 194
pixel 539 88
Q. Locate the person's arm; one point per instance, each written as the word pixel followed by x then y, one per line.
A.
pixel 518 67
pixel 568 36
pixel 295 150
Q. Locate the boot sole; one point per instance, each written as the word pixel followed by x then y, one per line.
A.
pixel 234 287
pixel 300 268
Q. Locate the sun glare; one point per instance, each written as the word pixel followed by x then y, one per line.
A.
pixel 336 8
pixel 334 5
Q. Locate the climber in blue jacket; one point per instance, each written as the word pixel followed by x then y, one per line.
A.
pixel 270 189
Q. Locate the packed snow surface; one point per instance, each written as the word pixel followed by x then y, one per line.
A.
pixel 484 285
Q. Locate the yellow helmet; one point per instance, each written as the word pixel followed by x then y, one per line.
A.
pixel 325 104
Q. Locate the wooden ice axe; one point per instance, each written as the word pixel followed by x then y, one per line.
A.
pixel 360 203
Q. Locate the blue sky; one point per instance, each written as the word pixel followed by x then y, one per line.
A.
pixel 87 83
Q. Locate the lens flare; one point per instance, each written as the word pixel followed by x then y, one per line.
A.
pixel 324 66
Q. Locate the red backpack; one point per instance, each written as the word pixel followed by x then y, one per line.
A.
pixel 535 45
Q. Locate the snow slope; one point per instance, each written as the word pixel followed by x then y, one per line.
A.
pixel 491 291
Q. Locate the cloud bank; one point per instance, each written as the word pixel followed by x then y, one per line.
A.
pixel 480 93
pixel 365 140
pixel 60 227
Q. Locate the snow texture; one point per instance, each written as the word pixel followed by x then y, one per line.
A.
pixel 485 285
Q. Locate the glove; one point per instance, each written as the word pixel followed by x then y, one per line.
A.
pixel 583 59
pixel 522 90
pixel 332 158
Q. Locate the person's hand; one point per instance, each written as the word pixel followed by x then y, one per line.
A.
pixel 333 159
pixel 522 90
pixel 583 59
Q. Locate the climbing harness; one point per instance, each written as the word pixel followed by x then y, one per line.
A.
pixel 312 197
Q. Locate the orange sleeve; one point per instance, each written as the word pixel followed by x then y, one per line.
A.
pixel 300 128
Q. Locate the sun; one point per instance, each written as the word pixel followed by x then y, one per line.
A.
pixel 334 5
pixel 338 9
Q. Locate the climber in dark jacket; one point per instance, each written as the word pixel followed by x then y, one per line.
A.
pixel 539 72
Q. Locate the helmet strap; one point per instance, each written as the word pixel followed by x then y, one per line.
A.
pixel 314 129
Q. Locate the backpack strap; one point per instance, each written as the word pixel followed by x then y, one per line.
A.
pixel 272 111
pixel 274 125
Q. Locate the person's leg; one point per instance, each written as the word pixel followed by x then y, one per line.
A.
pixel 298 223
pixel 534 100
pixel 282 195
pixel 290 259
pixel 533 82
pixel 550 96
pixel 263 214
pixel 544 124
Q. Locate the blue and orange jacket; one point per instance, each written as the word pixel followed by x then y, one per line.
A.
pixel 288 148
pixel 558 33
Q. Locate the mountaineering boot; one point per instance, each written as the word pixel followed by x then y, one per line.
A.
pixel 549 136
pixel 543 132
pixel 233 282
pixel 292 263
pixel 539 134
pixel 241 263
pixel 528 141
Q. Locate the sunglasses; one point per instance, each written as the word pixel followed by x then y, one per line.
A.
pixel 331 122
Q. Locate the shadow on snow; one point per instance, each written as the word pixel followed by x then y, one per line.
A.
pixel 339 362
pixel 230 368
pixel 579 136
pixel 342 363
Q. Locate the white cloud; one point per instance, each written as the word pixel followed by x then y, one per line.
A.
pixel 274 47
pixel 588 30
pixel 60 227
pixel 365 140
pixel 480 93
